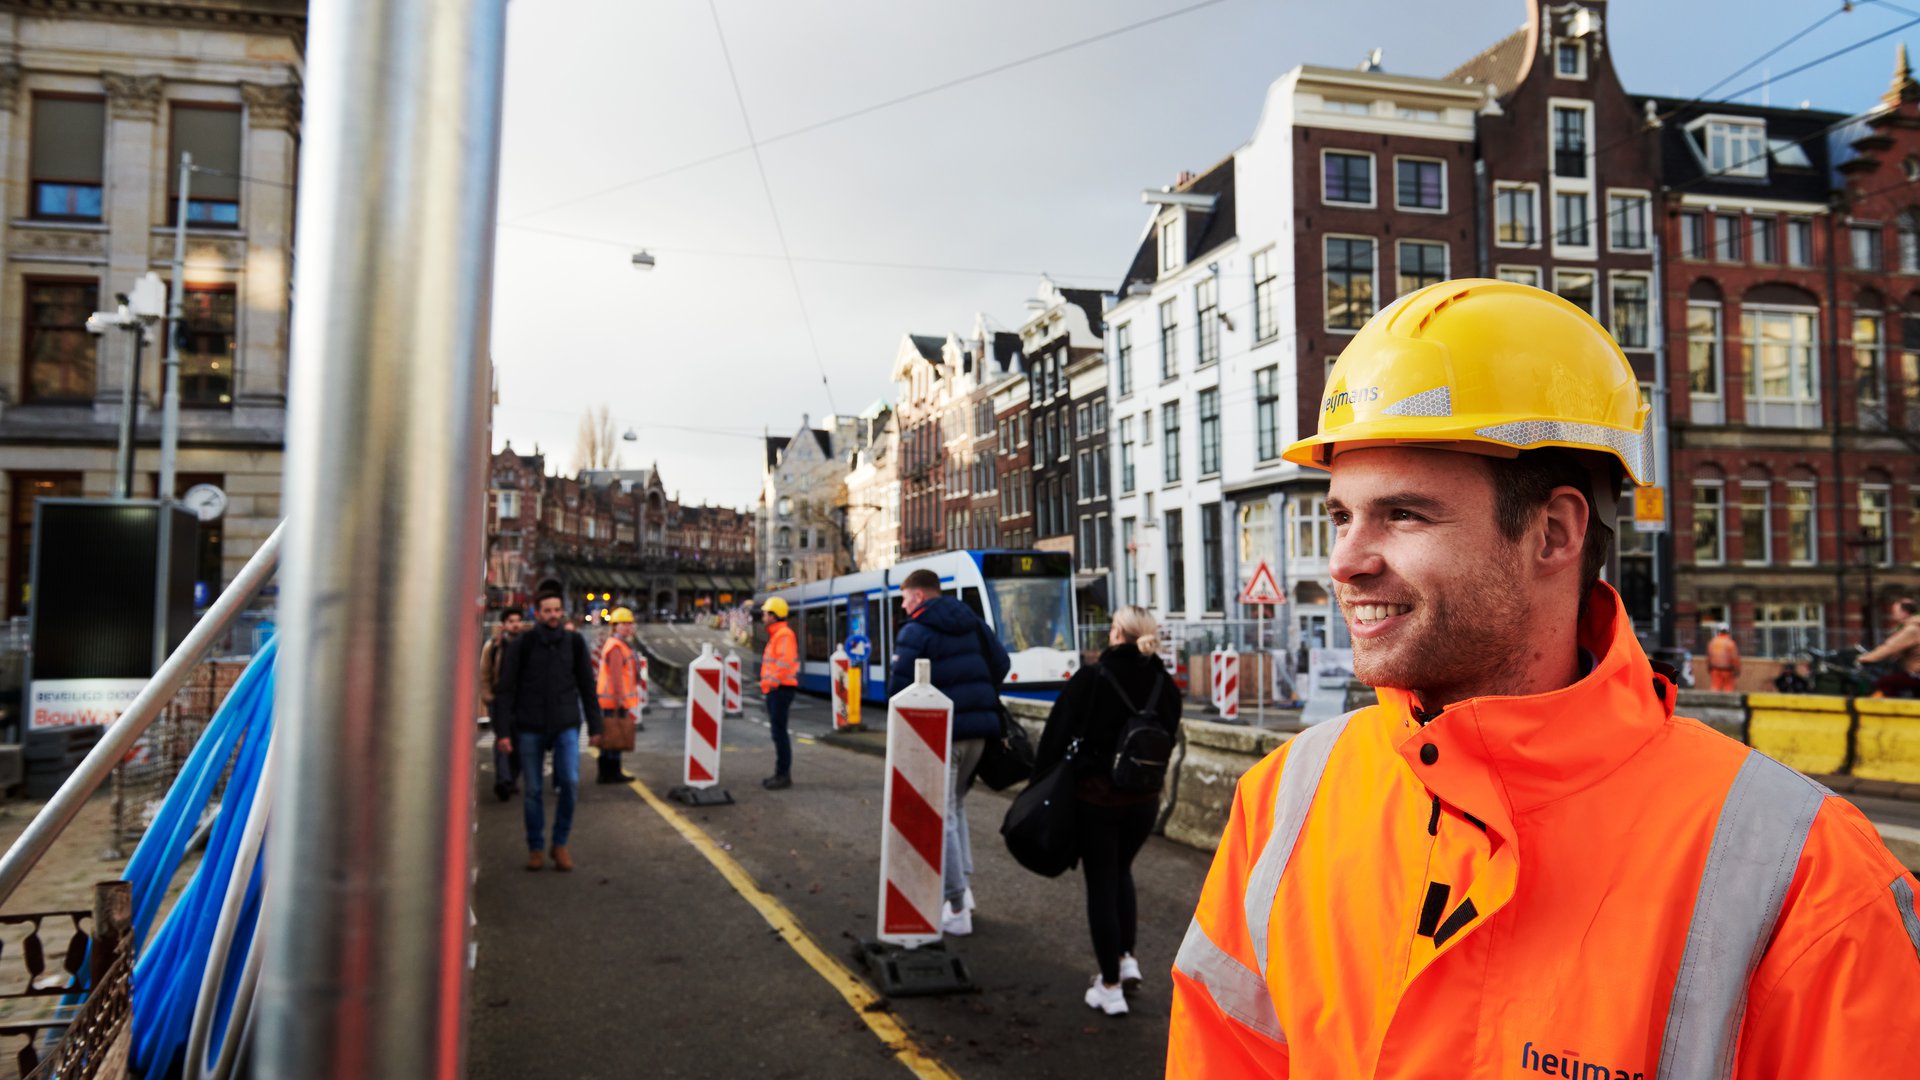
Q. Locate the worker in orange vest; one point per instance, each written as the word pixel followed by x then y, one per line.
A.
pixel 1723 659
pixel 617 679
pixel 1521 862
pixel 779 679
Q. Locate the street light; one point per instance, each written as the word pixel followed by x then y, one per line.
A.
pixel 643 260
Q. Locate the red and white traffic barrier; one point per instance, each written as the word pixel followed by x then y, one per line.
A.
pixel 837 665
pixel 641 680
pixel 1229 684
pixel 704 703
pixel 1214 671
pixel 733 704
pixel 913 838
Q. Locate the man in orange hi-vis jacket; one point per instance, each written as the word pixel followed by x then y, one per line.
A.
pixel 618 682
pixel 779 678
pixel 1520 862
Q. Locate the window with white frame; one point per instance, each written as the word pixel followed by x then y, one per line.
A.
pixel 1869 358
pixel 1129 564
pixel 1570 59
pixel 1312 532
pixel 1172 244
pixel 1799 241
pixel 1763 240
pixel 1803 530
pixel 1876 521
pixel 1516 215
pixel 1209 410
pixel 1726 238
pixel 1693 234
pixel 1570 141
pixel 1420 184
pixel 1523 275
pixel 1349 282
pixel 1170 442
pixel 1577 286
pixel 1169 338
pixel 1631 317
pixel 1863 245
pixel 508 505
pixel 1907 236
pixel 1627 221
pixel 1732 147
pixel 1782 378
pixel 1709 523
pixel 1787 630
pixel 1206 303
pixel 1703 361
pixel 1756 523
pixel 1123 358
pixel 1572 224
pixel 1420 263
pixel 1346 178
pixel 1265 323
pixel 1126 455
pixel 1266 413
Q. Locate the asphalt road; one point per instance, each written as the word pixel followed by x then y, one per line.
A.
pixel 647 961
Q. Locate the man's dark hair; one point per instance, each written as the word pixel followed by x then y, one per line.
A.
pixel 922 579
pixel 1908 606
pixel 1521 486
pixel 545 595
pixel 511 613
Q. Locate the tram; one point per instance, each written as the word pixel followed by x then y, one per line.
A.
pixel 1025 596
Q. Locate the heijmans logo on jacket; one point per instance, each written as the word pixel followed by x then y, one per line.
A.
pixel 1567 1064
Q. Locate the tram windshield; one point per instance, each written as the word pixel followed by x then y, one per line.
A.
pixel 1032 598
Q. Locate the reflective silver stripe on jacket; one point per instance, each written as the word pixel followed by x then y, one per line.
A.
pixel 1236 989
pixel 1756 846
pixel 1909 918
pixel 1307 755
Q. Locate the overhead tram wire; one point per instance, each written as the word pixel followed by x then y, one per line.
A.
pixel 878 106
pixel 779 229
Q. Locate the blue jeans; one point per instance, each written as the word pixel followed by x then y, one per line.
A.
pixel 779 700
pixel 533 748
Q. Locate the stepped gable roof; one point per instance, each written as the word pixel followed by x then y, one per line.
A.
pixel 1499 63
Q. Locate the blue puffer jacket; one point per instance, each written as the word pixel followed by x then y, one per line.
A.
pixel 969 663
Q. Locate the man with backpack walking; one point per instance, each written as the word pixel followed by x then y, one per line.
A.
pixel 546 688
pixel 1114 726
pixel 969 664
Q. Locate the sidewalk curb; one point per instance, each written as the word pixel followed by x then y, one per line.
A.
pixel 868 742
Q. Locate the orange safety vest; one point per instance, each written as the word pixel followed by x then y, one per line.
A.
pixel 1722 653
pixel 780 663
pixel 1575 884
pixel 618 680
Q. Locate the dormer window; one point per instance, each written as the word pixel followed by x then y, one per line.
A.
pixel 1731 146
pixel 1173 249
pixel 1570 59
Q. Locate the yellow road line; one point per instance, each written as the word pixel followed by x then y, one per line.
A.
pixel 871 1008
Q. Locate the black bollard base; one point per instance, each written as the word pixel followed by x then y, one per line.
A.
pixel 706 796
pixel 927 971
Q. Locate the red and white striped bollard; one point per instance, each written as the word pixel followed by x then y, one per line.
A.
pixel 913 836
pixel 706 701
pixel 1229 684
pixel 837 675
pixel 733 703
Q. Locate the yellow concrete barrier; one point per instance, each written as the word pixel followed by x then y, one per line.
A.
pixel 1805 731
pixel 1888 746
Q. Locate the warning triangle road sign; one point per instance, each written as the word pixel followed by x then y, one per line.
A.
pixel 1262 589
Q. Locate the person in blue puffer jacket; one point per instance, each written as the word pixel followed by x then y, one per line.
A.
pixel 969 664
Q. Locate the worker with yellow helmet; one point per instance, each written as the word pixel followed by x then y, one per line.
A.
pixel 618 683
pixel 779 681
pixel 1521 861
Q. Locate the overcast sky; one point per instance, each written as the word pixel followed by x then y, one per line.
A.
pixel 1036 168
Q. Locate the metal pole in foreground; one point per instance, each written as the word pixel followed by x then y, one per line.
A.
pixel 365 917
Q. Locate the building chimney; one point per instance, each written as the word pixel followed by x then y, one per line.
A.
pixel 1185 178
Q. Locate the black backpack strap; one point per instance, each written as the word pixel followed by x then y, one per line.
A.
pixel 1125 698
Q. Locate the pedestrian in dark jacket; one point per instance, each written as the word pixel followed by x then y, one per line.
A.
pixel 1111 825
pixel 969 664
pixel 546 688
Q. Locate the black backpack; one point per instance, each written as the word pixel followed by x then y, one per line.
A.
pixel 1145 746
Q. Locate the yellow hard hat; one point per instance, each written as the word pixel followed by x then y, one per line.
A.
pixel 777 606
pixel 620 615
pixel 1493 363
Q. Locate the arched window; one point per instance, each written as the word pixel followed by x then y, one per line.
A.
pixel 1756 516
pixel 1907 231
pixel 1706 368
pixel 1709 517
pixel 784 539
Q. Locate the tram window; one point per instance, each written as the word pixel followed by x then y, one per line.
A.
pixel 817 640
pixel 899 616
pixel 875 632
pixel 971 598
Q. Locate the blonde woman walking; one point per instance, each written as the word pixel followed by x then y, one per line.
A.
pixel 1115 719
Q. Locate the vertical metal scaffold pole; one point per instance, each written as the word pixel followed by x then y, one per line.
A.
pixel 365 920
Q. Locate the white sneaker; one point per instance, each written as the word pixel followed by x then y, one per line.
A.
pixel 956 923
pixel 1108 999
pixel 1129 974
pixel 967 900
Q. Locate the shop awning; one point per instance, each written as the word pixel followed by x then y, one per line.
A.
pixel 684 583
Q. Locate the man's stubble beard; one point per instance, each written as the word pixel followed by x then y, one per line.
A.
pixel 1468 643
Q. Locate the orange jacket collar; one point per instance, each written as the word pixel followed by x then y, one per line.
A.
pixel 1539 747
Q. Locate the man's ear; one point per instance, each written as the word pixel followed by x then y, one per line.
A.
pixel 1565 519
